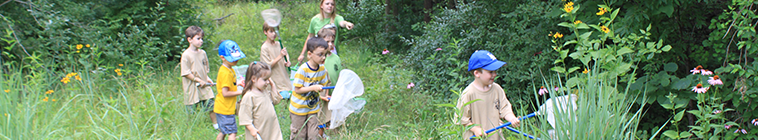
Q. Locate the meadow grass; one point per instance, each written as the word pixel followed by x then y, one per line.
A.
pixel 147 103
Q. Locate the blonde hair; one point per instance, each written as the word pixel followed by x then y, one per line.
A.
pixel 327 30
pixel 254 71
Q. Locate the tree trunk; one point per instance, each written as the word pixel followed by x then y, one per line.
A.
pixel 427 10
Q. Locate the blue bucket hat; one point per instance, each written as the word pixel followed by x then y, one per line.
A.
pixel 230 50
pixel 485 60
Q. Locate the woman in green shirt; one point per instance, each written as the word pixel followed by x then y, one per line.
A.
pixel 327 16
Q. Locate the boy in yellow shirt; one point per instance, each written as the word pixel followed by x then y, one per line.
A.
pixel 309 81
pixel 493 104
pixel 226 99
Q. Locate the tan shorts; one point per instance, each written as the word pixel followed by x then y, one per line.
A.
pixel 299 130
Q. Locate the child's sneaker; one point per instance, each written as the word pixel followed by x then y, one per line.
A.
pixel 324 136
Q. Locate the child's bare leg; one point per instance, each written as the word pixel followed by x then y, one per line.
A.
pixel 233 136
pixel 220 136
pixel 213 117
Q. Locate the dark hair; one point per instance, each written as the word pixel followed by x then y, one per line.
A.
pixel 192 31
pixel 268 28
pixel 254 71
pixel 316 42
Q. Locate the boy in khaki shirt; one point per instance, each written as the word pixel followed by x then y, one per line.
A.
pixel 272 54
pixel 493 104
pixel 195 81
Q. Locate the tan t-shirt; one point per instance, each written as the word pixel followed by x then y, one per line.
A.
pixel 257 109
pixel 195 63
pixel 486 112
pixel 279 73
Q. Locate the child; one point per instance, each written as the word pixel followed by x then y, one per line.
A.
pixel 493 104
pixel 195 80
pixel 271 53
pixel 332 65
pixel 226 99
pixel 256 110
pixel 328 15
pixel 309 80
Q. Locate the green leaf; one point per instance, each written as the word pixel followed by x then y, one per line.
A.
pixel 671 134
pixel 666 48
pixel 582 26
pixel 670 67
pixel 678 116
pixel 685 134
pixel 668 106
pixel 665 82
pixel 445 105
pixel 571 70
pixel 682 84
pixel 623 51
pixel 566 24
pixel 558 69
pixel 572 82
pixel 585 35
pixel 668 9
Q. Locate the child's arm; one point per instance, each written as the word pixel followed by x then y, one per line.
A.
pixel 225 91
pixel 506 112
pixel 209 80
pixel 275 96
pixel 302 90
pixel 465 116
pixel 252 130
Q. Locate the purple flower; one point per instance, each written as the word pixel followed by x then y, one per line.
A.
pixel 706 72
pixel 716 111
pixel 438 49
pixel 556 88
pixel 699 88
pixel 754 122
pixel 727 126
pixel 715 80
pixel 696 70
pixel 411 85
pixel 542 91
pixel 385 51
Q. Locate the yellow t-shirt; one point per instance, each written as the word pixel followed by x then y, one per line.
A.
pixel 225 105
pixel 306 77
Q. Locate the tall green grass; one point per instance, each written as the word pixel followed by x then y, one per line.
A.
pixel 147 103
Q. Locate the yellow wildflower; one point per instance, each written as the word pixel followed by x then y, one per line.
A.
pixel 79 46
pixel 577 21
pixel 605 29
pixel 71 74
pixel 6 114
pixel 557 35
pixel 45 99
pixel 78 78
pixel 6 91
pixel 568 7
pixel 586 71
pixel 601 11
pixel 54 100
pixel 87 46
pixel 117 70
pixel 120 65
pixel 119 74
pixel 77 52
pixel 65 80
pixel 49 92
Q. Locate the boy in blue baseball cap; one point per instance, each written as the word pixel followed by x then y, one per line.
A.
pixel 492 105
pixel 226 99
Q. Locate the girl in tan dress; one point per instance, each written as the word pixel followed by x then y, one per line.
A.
pixel 257 112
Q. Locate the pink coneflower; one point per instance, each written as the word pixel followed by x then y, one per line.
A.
pixel 754 122
pixel 696 70
pixel 411 85
pixel 706 72
pixel 716 111
pixel 715 80
pixel 385 51
pixel 556 88
pixel 438 49
pixel 699 88
pixel 727 126
pixel 542 91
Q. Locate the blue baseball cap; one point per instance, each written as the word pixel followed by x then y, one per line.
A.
pixel 230 50
pixel 484 59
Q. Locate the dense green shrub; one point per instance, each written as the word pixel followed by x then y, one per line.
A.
pixel 515 31
pixel 145 32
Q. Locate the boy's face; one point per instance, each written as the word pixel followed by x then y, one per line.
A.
pixel 330 41
pixel 317 56
pixel 196 41
pixel 227 62
pixel 270 34
pixel 485 77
